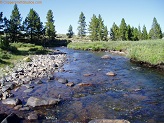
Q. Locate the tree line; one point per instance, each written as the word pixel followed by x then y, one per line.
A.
pixel 32 29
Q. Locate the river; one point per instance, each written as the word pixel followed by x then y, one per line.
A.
pixel 135 94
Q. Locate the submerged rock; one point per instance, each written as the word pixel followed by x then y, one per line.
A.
pixel 111 74
pixel 108 121
pixel 34 101
pixel 70 84
pixel 12 101
pixel 106 57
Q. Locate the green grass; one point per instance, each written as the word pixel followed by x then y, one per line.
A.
pixel 150 51
pixel 20 50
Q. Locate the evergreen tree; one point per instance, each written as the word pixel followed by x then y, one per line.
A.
pixel 144 33
pixel 100 28
pixel 135 34
pixel 33 25
pixel 128 33
pixel 50 27
pixel 155 31
pixel 105 38
pixel 123 29
pixel 139 33
pixel 15 24
pixel 1 22
pixel 114 32
pixel 93 28
pixel 70 32
pixel 82 25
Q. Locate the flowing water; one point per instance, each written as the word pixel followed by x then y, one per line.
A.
pixel 135 94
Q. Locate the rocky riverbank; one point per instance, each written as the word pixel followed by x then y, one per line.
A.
pixel 25 74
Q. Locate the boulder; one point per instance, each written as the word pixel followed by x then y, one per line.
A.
pixel 12 101
pixel 27 59
pixel 106 57
pixel 63 81
pixel 108 121
pixel 32 116
pixel 111 74
pixel 34 101
pixel 70 84
pixel 12 118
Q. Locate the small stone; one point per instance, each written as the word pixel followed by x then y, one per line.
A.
pixel 18 107
pixel 70 84
pixel 32 116
pixel 28 90
pixel 85 84
pixel 106 57
pixel 111 74
pixel 39 82
pixel 86 75
pixel 63 81
pixel 24 109
pixel 50 77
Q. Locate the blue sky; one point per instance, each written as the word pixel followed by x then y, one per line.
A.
pixel 66 12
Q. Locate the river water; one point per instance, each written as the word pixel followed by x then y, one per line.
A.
pixel 135 94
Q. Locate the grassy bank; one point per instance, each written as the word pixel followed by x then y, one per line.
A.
pixel 20 50
pixel 149 51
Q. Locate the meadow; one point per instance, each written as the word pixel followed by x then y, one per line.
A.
pixel 148 51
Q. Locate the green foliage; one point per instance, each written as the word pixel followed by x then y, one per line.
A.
pixel 123 29
pixel 15 24
pixel 155 31
pixel 50 27
pixel 4 44
pixel 144 33
pixel 70 32
pixel 146 51
pixel 33 26
pixel 97 30
pixel 114 32
pixel 82 25
pixel 1 21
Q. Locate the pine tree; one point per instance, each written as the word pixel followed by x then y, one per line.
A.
pixel 135 34
pixel 82 26
pixel 50 27
pixel 123 29
pixel 128 33
pixel 100 28
pixel 33 25
pixel 93 28
pixel 70 32
pixel 139 33
pixel 105 38
pixel 155 31
pixel 144 33
pixel 1 22
pixel 114 32
pixel 15 24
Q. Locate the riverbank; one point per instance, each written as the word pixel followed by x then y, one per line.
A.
pixel 149 52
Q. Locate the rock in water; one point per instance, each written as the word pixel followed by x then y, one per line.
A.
pixel 12 118
pixel 32 116
pixel 12 101
pixel 106 57
pixel 34 101
pixel 111 74
pixel 63 81
pixel 108 121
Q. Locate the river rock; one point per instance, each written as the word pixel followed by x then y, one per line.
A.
pixel 51 77
pixel 39 82
pixel 108 121
pixel 24 109
pixel 85 84
pixel 17 107
pixel 12 101
pixel 70 84
pixel 111 74
pixel 63 81
pixel 28 90
pixel 34 101
pixel 86 75
pixel 32 116
pixel 12 118
pixel 106 57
